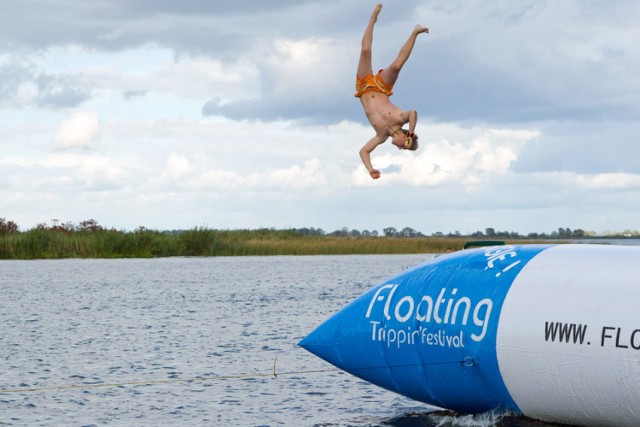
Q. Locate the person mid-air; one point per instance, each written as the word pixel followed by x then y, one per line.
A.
pixel 374 92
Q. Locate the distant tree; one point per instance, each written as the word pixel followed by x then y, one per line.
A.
pixel 63 227
pixel 564 232
pixel 490 232
pixel 309 231
pixel 343 232
pixel 438 234
pixel 578 233
pixel 90 225
pixel 408 232
pixel 7 227
pixel 390 232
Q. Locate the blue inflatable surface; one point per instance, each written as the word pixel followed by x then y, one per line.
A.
pixel 430 333
pixel 551 331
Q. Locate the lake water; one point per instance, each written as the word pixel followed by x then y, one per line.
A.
pixel 115 342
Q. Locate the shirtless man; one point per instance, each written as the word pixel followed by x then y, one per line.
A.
pixel 374 92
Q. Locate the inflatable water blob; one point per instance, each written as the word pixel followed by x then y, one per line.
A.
pixel 549 331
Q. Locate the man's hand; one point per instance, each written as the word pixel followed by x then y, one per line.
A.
pixel 365 154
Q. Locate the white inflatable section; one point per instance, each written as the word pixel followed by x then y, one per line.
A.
pixel 568 341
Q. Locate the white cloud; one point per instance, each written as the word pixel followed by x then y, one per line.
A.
pixel 75 172
pixel 177 165
pixel 195 77
pixel 457 156
pixel 220 180
pixel 312 68
pixel 149 72
pixel 101 173
pixel 601 181
pixel 81 130
pixel 311 175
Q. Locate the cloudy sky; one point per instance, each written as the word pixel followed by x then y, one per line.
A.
pixel 241 114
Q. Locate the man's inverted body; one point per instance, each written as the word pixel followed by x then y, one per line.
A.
pixel 374 92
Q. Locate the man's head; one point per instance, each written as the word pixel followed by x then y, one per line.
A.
pixel 404 140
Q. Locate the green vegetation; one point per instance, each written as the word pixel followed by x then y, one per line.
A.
pixel 142 243
pixel 90 240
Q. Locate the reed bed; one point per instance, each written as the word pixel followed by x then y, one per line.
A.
pixel 42 243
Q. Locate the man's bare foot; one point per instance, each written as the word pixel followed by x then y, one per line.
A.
pixel 420 29
pixel 376 12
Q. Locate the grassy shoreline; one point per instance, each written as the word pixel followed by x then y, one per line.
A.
pixel 143 243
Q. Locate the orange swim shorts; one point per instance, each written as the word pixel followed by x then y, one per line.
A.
pixel 374 83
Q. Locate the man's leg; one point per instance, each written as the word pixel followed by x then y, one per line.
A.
pixel 391 73
pixel 364 64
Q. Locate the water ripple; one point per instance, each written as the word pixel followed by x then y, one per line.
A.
pixel 186 341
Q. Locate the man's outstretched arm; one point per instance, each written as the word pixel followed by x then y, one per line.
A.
pixel 365 154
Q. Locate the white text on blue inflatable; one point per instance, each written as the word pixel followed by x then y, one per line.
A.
pixel 446 309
